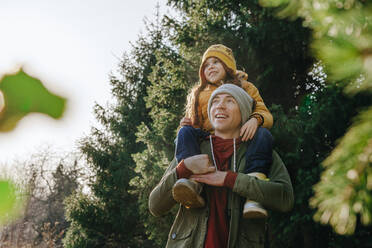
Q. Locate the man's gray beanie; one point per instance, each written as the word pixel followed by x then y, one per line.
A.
pixel 244 100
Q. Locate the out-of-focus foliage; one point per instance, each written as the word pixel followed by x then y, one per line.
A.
pixel 342 40
pixel 24 94
pixel 8 201
pixel 351 197
pixel 6 189
pixel 21 94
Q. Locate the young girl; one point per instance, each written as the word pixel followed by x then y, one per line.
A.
pixel 218 67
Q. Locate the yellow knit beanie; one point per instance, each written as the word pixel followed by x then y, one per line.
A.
pixel 221 52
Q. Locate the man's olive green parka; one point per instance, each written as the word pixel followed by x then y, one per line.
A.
pixel 190 225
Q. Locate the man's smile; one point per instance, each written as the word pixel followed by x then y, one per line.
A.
pixel 221 116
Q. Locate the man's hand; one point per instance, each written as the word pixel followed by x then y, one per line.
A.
pixel 185 122
pixel 216 178
pixel 249 129
pixel 199 164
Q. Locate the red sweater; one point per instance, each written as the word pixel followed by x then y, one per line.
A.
pixel 218 226
pixel 218 223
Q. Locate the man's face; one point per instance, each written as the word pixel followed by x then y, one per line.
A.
pixel 214 71
pixel 225 115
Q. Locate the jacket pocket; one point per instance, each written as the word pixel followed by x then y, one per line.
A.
pixel 182 230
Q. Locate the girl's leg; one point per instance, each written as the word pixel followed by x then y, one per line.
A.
pixel 258 162
pixel 185 191
pixel 188 142
pixel 259 152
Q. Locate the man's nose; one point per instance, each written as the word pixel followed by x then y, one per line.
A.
pixel 221 104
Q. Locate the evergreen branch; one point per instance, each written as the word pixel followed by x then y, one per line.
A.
pixel 344 191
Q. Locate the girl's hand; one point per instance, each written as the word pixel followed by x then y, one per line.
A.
pixel 185 122
pixel 249 129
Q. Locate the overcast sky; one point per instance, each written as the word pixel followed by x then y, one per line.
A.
pixel 71 46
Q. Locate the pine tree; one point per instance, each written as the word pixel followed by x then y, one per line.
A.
pixel 166 99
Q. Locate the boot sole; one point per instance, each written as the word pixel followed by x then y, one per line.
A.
pixel 255 213
pixel 185 195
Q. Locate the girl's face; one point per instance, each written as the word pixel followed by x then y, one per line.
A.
pixel 214 70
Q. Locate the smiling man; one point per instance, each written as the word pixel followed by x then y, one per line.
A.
pixel 221 168
pixel 224 114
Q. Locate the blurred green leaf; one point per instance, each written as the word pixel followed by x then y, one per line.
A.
pixel 340 57
pixel 7 198
pixel 24 94
pixel 284 8
pixel 273 3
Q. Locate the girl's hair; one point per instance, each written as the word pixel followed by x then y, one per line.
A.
pixel 193 97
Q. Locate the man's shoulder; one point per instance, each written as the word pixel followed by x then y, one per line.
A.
pixel 277 161
pixel 277 168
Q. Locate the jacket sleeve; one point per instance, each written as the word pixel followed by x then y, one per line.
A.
pixel 161 199
pixel 260 108
pixel 275 194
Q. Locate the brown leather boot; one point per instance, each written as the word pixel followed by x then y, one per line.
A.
pixel 187 192
pixel 252 209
